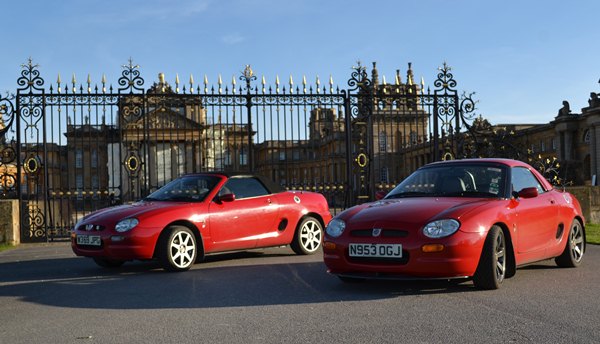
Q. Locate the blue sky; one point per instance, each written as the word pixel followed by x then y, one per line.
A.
pixel 522 58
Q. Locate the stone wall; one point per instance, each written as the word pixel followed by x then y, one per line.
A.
pixel 589 198
pixel 9 222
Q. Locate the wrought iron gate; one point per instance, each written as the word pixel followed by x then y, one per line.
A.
pixel 71 148
pixel 398 127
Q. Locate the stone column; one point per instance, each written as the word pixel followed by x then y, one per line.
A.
pixel 10 230
pixel 568 148
pixel 593 160
pixel 560 146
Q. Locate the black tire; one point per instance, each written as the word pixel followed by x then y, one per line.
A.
pixel 177 249
pixel 574 248
pixel 491 270
pixel 108 263
pixel 351 280
pixel 308 236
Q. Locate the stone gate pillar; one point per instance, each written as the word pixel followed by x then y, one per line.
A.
pixel 9 222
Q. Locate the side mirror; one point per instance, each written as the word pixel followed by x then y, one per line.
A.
pixel 380 195
pixel 528 192
pixel 226 197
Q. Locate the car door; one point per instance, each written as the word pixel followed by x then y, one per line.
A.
pixel 536 218
pixel 240 223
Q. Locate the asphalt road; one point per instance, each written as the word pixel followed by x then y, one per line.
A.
pixel 47 295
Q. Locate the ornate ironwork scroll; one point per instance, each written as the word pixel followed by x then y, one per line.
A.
pixel 31 151
pixel 361 110
pixel 8 166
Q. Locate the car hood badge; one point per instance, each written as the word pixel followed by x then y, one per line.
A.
pixel 376 232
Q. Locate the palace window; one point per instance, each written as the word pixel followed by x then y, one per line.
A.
pixel 413 138
pixel 384 175
pixel 163 163
pixel 382 142
pixel 78 158
pixel 79 185
pixel 94 162
pixel 227 157
pixel 243 156
pixel 586 136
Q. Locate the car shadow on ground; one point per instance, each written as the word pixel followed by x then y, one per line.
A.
pixel 77 282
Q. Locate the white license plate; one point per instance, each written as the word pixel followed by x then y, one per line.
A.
pixel 376 250
pixel 91 240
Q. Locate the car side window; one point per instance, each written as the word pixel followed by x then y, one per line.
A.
pixel 246 187
pixel 523 178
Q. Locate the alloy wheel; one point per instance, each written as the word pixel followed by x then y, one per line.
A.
pixel 576 242
pixel 310 235
pixel 182 249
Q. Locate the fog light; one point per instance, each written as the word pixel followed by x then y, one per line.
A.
pixel 329 245
pixel 428 248
pixel 117 238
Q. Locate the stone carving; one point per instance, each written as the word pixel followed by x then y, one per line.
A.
pixel 565 110
pixel 594 101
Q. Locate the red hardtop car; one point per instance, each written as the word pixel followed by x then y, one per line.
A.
pixel 474 218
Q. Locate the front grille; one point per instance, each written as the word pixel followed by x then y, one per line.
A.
pixel 91 228
pixel 385 233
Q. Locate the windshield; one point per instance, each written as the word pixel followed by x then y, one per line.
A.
pixel 454 180
pixel 185 189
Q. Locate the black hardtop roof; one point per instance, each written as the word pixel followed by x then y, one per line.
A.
pixel 268 183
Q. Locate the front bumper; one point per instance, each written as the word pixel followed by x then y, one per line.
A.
pixel 458 259
pixel 118 246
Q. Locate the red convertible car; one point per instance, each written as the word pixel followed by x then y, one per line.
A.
pixel 475 218
pixel 199 214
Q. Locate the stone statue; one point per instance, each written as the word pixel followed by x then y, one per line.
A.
pixel 594 101
pixel 565 110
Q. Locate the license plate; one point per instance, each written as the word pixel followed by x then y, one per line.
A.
pixel 91 240
pixel 376 250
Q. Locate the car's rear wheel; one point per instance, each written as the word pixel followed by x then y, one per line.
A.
pixel 108 263
pixel 178 249
pixel 308 237
pixel 492 264
pixel 574 249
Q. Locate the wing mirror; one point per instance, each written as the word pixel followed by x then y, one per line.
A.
pixel 227 197
pixel 528 192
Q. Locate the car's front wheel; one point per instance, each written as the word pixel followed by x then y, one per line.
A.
pixel 492 264
pixel 574 249
pixel 178 249
pixel 308 237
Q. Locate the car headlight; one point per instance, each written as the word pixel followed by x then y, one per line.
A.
pixel 126 225
pixel 335 228
pixel 441 228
